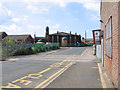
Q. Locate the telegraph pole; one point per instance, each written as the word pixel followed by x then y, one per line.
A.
pixel 85 36
pixel 34 37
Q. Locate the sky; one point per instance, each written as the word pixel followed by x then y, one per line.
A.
pixel 32 16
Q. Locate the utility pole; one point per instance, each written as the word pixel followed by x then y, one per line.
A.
pixel 85 36
pixel 34 37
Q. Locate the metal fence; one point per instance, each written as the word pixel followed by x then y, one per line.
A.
pixel 7 50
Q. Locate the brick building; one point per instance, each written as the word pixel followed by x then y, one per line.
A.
pixel 72 39
pixel 110 25
pixel 22 38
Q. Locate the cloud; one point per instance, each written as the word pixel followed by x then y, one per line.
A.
pixel 34 27
pixel 17 20
pixel 41 8
pixel 48 21
pixel 95 6
pixel 94 17
pixel 56 26
pixel 10 28
pixel 38 8
pixel 5 15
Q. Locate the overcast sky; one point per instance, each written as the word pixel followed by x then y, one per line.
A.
pixel 32 16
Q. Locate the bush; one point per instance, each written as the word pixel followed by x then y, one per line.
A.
pixel 24 51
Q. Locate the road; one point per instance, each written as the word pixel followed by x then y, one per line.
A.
pixel 38 71
pixel 29 71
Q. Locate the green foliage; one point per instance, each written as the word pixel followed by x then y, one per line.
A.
pixel 11 49
pixel 23 51
pixel 10 41
pixel 44 47
pixel 100 60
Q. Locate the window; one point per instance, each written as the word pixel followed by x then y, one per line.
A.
pixel 109 38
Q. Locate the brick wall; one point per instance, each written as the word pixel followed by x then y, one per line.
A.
pixel 111 64
pixel 119 45
pixel 29 39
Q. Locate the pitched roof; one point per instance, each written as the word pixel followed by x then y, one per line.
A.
pixel 2 35
pixel 17 37
pixel 62 33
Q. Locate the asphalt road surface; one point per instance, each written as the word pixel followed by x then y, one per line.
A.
pixel 36 71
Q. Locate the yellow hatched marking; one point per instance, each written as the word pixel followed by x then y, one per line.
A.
pixel 34 76
pixel 19 79
pixel 10 85
pixel 52 76
pixel 25 82
pixel 48 78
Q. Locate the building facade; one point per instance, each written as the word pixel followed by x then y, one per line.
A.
pixel 20 38
pixel 110 25
pixel 72 39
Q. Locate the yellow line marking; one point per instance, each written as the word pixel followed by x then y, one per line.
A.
pixel 35 76
pixel 48 78
pixel 38 86
pixel 19 79
pixel 83 52
pixel 45 70
pixel 10 85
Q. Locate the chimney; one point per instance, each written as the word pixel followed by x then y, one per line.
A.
pixel 47 31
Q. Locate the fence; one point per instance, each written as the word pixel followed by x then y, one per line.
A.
pixel 7 50
pixel 79 44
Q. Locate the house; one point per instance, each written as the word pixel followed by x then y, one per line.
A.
pixel 71 39
pixel 23 38
pixel 110 25
pixel 2 35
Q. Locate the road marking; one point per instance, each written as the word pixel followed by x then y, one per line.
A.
pixel 83 52
pixel 41 84
pixel 35 75
pixel 10 85
pixel 45 70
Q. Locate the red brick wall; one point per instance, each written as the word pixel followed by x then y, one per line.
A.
pixel 119 45
pixel 111 64
pixel 29 39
